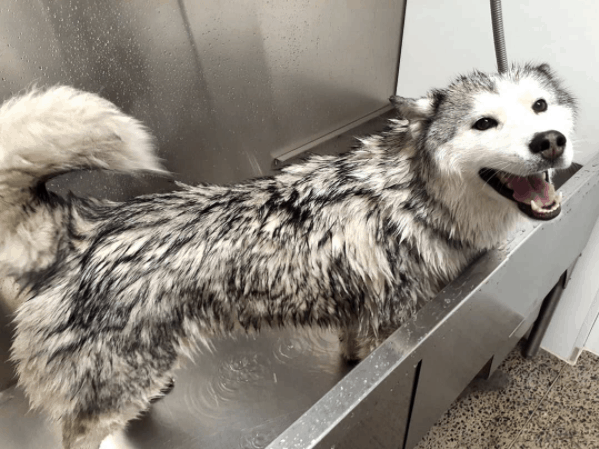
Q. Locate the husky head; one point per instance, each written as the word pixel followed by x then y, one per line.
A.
pixel 499 134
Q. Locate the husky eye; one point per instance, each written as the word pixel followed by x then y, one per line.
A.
pixel 485 123
pixel 539 106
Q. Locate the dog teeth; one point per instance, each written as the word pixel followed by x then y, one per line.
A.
pixel 538 207
pixel 535 206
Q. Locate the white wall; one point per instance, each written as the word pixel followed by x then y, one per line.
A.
pixel 444 38
pixel 592 342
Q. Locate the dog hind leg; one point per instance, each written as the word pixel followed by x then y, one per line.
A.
pixel 88 430
pixel 85 432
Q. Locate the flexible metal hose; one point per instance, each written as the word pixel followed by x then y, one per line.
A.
pixel 498 36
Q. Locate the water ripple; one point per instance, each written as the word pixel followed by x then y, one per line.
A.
pixel 320 349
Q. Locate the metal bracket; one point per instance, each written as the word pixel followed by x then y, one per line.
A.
pixel 569 271
pixel 548 307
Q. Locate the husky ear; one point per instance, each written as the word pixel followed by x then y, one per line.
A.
pixel 545 68
pixel 411 109
pixel 417 109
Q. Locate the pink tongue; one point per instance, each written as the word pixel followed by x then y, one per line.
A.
pixel 527 189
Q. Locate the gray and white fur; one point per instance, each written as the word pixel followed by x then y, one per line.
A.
pixel 117 293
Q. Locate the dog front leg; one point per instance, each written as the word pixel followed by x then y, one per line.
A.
pixel 349 344
pixel 357 343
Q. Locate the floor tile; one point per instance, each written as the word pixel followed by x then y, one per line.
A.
pixel 490 414
pixel 568 417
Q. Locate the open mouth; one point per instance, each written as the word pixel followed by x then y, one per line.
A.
pixel 534 194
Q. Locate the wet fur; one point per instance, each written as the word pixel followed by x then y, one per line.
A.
pixel 116 293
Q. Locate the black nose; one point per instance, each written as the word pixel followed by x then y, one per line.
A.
pixel 550 144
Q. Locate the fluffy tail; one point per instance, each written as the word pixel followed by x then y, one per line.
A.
pixel 45 133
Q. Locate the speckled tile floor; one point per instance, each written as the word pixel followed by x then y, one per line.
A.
pixel 527 404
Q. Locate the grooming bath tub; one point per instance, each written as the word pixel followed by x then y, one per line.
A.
pixel 289 389
pixel 227 89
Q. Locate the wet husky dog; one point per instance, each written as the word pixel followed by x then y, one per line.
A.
pixel 117 292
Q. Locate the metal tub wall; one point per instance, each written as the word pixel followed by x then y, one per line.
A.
pixel 226 87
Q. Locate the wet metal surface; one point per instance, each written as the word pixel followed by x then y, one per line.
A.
pixel 244 394
pixel 240 396
pixel 226 87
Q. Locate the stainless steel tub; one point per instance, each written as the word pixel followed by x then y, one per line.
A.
pixel 228 88
pixel 290 389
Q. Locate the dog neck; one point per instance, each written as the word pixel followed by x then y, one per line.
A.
pixel 450 206
pixel 476 218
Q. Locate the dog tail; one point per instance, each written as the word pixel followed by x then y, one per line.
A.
pixel 45 133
